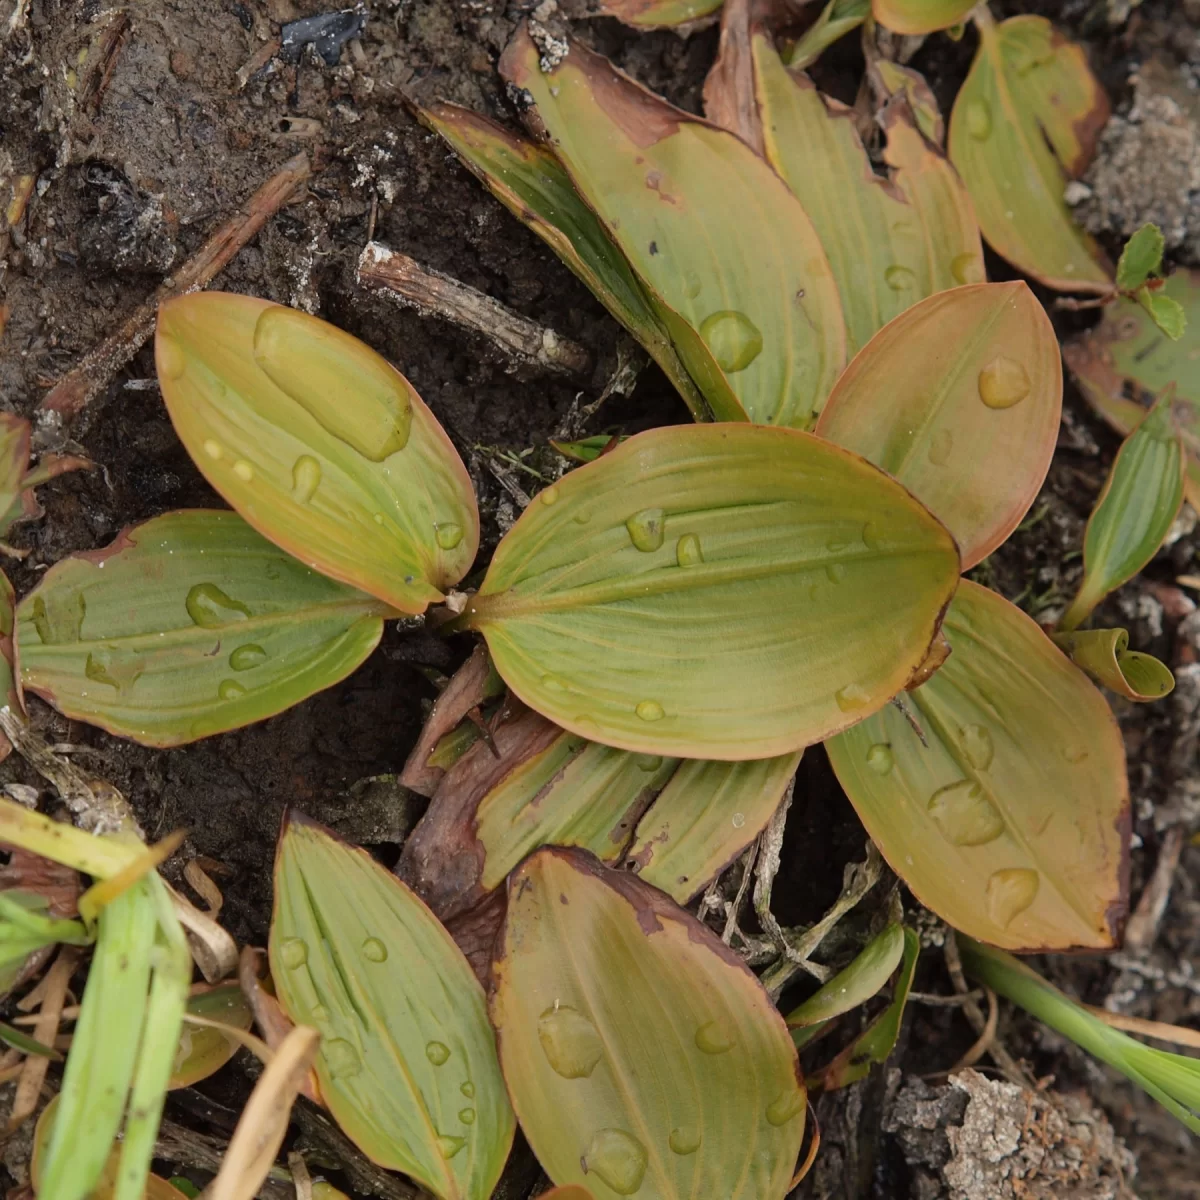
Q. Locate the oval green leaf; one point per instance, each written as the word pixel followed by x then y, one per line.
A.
pixel 1012 824
pixel 718 591
pixel 1128 354
pixel 1105 655
pixel 407 1064
pixel 1024 121
pixel 920 16
pixel 319 443
pixel 750 300
pixel 960 399
pixel 188 625
pixel 1141 258
pixel 1136 509
pixel 642 1057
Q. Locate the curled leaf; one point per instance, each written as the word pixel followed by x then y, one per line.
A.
pixel 1024 121
pixel 319 443
pixel 407 1062
pixel 747 293
pixel 721 591
pixel 642 1057
pixel 1136 509
pixel 188 625
pixel 1011 821
pixel 1105 655
pixel 1127 355
pixel 920 16
pixel 960 399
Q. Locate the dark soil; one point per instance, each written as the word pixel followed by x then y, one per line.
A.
pixel 136 167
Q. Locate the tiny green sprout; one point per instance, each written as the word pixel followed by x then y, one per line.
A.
pixel 1139 277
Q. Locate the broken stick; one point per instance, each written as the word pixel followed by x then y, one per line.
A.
pixel 433 294
pixel 97 367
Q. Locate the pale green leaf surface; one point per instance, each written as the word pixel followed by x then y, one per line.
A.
pixel 188 625
pixel 1024 121
pixel 643 1058
pixel 1141 258
pixel 319 443
pixel 1105 655
pixel 920 16
pixel 1012 824
pixel 407 1063
pixel 1127 349
pixel 960 399
pixel 1136 509
pixel 704 818
pixel 532 184
pixel 1167 314
pixel 716 591
pixel 751 302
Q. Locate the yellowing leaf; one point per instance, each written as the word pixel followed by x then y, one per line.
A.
pixel 531 183
pixel 748 296
pixel 890 240
pixel 1105 655
pixel 188 625
pixel 1024 121
pixel 642 1057
pixel 1136 509
pixel 655 14
pixel 407 1063
pixel 319 443
pixel 721 591
pixel 960 399
pixel 1127 352
pixel 920 16
pixel 1012 824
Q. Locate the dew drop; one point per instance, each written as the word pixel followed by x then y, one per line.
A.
pixel 306 478
pixel 349 390
pixel 549 496
pixel 836 545
pixel 1010 892
pixel 940 446
pixel 977 746
pixel 836 572
pixel 244 658
pixel 552 683
pixel 618 1159
pixel 570 1042
pixel 169 356
pixel 341 1058
pixel 466 1116
pixel 468 1089
pixel 967 268
pixel 213 449
pixel 448 1146
pixel 880 758
pixel 710 1038
pixel 737 820
pixel 979 119
pixel 320 1013
pixel 899 279
pixel 687 551
pixel 60 620
pixel 210 607
pixel 870 535
pixel 374 950
pixel 965 815
pixel 685 1141
pixel 293 953
pixel 647 529
pixel 785 1107
pixel 648 762
pixel 114 667
pixel 649 710
pixel 852 697
pixel 437 1052
pixel 1003 383
pixel 230 689
pixel 378 518
pixel 243 470
pixel 448 534
pixel 735 341
pixel 692 285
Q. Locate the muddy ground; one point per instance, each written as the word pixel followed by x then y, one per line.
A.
pixel 136 164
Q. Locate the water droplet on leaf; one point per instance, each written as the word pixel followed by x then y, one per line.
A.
pixel 692 285
pixel 1075 754
pixel 712 1039
pixel 549 496
pixel 852 697
pixel 646 529
pixel 230 689
pixel 466 1116
pixel 737 820
pixel 552 683
pixel 786 1106
pixel 967 268
pixel 649 710
pixel 449 534
pixel 244 658
pixel 880 758
pixel 684 1141
pixel 213 449
pixel 210 607
pixel 836 572
pixel 965 815
pixel 648 762
pixel 114 667
pixel 570 1042
pixel 449 1146
pixel 687 551
pixel 293 952
pixel 977 745
pixel 979 119
pixel 169 353
pixel 306 478
pixel 1003 383
pixel 1010 892
pixel 940 446
pixel 468 1089
pixel 320 1013
pixel 870 535
pixel 437 1052
pixel 899 279
pixel 341 1058
pixel 618 1158
pixel 735 341
pixel 243 470
pixel 374 950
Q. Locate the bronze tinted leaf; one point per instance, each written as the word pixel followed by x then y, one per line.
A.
pixel 920 16
pixel 1105 655
pixel 655 14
